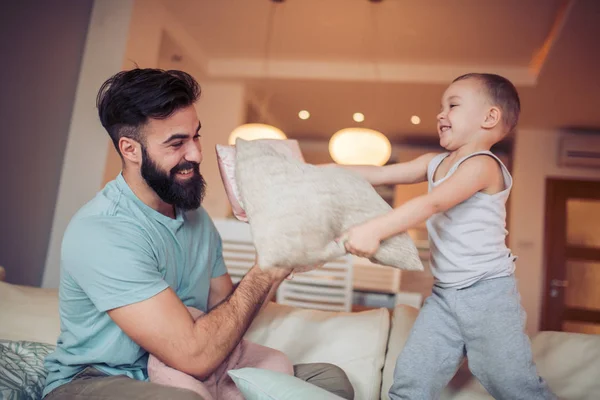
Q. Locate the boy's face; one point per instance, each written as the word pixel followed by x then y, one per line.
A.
pixel 463 110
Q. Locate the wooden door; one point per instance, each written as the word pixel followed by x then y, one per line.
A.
pixel 572 257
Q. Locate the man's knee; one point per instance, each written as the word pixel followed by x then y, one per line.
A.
pixel 326 376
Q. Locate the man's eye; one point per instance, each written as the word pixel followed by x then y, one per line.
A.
pixel 196 137
pixel 453 105
pixel 176 145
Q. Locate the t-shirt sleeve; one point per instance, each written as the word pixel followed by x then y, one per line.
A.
pixel 112 261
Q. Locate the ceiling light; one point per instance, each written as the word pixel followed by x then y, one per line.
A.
pixel 304 114
pixel 415 120
pixel 360 146
pixel 358 117
pixel 254 132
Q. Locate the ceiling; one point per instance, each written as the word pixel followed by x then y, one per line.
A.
pixel 393 59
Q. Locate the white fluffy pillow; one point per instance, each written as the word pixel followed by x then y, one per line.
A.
pixel 226 162
pixel 297 210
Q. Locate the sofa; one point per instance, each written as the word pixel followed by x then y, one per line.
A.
pixel 364 344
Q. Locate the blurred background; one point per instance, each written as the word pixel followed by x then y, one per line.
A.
pixel 307 69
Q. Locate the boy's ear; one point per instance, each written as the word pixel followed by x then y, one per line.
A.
pixel 492 118
pixel 130 149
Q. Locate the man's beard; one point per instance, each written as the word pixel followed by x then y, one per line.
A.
pixel 185 195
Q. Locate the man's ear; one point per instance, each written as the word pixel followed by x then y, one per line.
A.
pixel 130 150
pixel 492 118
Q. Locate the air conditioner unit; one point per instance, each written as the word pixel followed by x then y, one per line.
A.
pixel 579 150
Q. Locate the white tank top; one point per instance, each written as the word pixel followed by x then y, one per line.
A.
pixel 467 242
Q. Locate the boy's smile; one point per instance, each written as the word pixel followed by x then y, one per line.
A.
pixel 462 111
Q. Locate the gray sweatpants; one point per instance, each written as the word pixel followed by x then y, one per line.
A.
pixel 485 322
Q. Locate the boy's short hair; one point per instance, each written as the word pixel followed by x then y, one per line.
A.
pixel 502 93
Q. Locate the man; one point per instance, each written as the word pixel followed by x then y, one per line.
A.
pixel 143 249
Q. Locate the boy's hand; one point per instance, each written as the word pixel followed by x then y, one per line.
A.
pixel 362 240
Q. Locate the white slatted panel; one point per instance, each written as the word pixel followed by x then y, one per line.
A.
pixel 328 288
pixel 238 251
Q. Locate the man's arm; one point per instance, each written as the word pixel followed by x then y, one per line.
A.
pixel 163 326
pixel 413 171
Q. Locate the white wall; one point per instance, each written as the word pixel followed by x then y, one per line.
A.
pixel 535 154
pixel 221 108
pixel 87 143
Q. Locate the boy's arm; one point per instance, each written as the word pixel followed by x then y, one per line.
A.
pixel 402 173
pixel 474 175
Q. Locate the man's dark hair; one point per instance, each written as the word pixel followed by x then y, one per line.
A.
pixel 129 98
pixel 502 94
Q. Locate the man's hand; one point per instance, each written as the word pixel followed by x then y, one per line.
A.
pixel 362 240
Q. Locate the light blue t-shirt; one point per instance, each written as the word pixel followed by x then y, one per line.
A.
pixel 118 251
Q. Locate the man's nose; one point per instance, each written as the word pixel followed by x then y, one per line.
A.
pixel 194 153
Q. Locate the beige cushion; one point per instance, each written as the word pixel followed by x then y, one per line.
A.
pixel 355 342
pixel 403 319
pixel 297 210
pixel 569 362
pixel 29 313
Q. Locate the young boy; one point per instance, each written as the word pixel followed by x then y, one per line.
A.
pixel 475 308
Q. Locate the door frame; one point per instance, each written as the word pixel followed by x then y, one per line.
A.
pixel 557 251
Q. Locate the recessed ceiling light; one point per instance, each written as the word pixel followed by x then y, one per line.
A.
pixel 304 114
pixel 415 120
pixel 358 117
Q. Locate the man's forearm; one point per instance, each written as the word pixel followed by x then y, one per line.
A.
pixel 224 326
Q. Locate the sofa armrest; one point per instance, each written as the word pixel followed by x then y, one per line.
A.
pixel 403 319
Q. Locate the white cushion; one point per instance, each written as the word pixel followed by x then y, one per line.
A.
pixel 297 210
pixel 29 313
pixel 355 342
pixel 402 321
